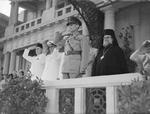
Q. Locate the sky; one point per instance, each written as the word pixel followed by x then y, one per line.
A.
pixel 5 7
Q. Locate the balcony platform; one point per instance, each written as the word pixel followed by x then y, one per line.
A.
pixel 80 85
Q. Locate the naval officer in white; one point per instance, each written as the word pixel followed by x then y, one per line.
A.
pixel 37 62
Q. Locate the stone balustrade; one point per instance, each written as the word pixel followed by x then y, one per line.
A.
pixel 38 23
pixel 80 86
pixel 60 14
pixel 64 11
pixel 27 25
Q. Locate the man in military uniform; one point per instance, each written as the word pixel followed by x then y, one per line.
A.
pixel 76 51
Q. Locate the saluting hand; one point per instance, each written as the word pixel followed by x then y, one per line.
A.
pixel 145 48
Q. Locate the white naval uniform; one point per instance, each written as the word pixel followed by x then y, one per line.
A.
pixel 37 63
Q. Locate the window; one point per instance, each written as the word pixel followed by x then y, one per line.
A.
pixel 59 13
pixel 62 3
pixel 21 15
pixel 68 9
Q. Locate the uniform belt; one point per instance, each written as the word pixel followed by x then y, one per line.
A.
pixel 73 53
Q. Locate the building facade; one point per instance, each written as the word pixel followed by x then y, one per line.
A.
pixel 42 18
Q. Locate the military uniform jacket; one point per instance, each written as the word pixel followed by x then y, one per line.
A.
pixel 76 63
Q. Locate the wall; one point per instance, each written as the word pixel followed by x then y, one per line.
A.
pixel 137 15
pixel 39 35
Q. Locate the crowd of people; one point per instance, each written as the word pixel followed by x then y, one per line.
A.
pixel 5 78
pixel 70 55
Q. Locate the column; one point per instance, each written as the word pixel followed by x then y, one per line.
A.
pixel 12 62
pixel 111 100
pixel 6 63
pixel 1 54
pixel 109 22
pixel 20 62
pixel 80 101
pixel 48 4
pixel 14 13
pixel 28 66
pixel 23 64
pixel 17 63
pixel 54 2
pixel 53 97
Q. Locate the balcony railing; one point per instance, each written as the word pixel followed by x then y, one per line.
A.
pixel 28 25
pixel 90 95
pixel 59 15
pixel 64 11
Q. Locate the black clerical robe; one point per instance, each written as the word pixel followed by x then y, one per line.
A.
pixel 110 61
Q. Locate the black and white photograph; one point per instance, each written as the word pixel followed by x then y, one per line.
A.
pixel 74 56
